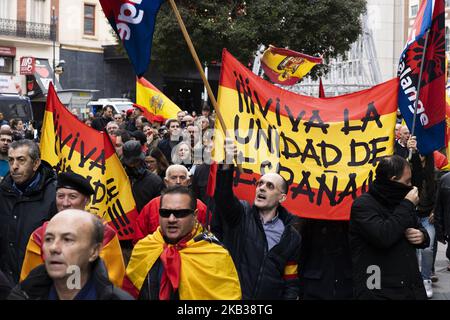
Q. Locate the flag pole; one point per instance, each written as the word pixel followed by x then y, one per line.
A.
pixel 416 102
pixel 200 68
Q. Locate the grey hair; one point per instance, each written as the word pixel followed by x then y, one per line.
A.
pixel 33 148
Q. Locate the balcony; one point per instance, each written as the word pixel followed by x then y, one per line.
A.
pixel 28 30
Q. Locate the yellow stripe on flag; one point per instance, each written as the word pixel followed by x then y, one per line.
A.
pixel 67 144
pixel 148 96
pixel 291 270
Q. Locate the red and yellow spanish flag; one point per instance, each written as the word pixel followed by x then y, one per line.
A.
pixel 148 96
pixel 327 149
pixel 287 67
pixel 70 145
pixel 207 271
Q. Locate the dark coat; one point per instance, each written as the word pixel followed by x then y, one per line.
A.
pixel 166 146
pixel 38 283
pixel 5 286
pixel 145 187
pixel 442 210
pixel 20 215
pixel 260 270
pixel 325 262
pixel 377 238
pixel 200 181
pixel 100 123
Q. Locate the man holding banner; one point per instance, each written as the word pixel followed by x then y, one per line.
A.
pixel 262 238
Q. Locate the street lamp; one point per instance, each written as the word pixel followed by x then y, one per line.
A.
pixel 53 28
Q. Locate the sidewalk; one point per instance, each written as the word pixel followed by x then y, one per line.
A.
pixel 442 287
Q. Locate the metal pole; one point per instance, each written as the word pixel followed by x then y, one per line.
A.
pixel 54 42
pixel 205 91
pixel 416 102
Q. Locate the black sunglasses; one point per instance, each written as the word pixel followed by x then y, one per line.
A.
pixel 180 213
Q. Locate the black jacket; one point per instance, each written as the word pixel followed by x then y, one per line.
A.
pixel 260 270
pixel 442 210
pixel 5 286
pixel 325 264
pixel 145 187
pixel 166 146
pixel 37 285
pixel 200 181
pixel 100 123
pixel 377 241
pixel 20 215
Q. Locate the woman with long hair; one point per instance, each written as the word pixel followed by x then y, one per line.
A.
pixel 156 162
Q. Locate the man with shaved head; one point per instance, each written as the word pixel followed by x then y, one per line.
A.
pixel 72 270
pixel 261 238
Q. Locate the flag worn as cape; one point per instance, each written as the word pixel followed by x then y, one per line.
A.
pixel 148 96
pixel 207 269
pixel 286 67
pixel 68 144
pixel 134 23
pixel 430 121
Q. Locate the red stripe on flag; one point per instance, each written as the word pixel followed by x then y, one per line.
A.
pixel 211 186
pixel 321 89
pixel 68 127
pixel 234 75
pixel 290 276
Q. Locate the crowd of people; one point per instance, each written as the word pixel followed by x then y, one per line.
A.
pixel 188 245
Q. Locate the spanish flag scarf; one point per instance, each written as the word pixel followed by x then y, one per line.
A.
pixel 199 269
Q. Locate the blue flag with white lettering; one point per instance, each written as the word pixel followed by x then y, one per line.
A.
pixel 430 122
pixel 134 23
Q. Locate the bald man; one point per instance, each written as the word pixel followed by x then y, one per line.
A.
pixel 73 191
pixel 73 269
pixel 261 238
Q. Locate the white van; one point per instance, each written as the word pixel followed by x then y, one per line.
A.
pixel 120 105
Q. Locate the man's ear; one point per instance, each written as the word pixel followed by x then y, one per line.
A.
pixel 36 164
pixel 95 252
pixel 282 198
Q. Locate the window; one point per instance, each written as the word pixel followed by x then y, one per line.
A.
pixel 89 19
pixel 4 9
pixel 6 64
pixel 447 3
pixel 414 10
pixel 35 11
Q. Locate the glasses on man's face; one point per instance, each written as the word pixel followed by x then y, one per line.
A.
pixel 179 213
pixel 269 185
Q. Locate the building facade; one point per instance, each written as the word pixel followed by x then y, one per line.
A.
pixel 26 30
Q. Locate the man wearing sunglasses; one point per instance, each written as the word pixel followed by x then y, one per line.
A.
pixel 180 261
pixel 148 220
pixel 261 238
